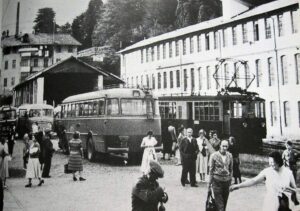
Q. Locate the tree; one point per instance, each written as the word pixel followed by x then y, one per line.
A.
pixel 44 21
pixel 209 9
pixel 65 29
pixel 78 31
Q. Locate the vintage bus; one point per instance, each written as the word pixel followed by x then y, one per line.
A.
pixel 241 116
pixel 42 114
pixel 112 121
pixel 8 120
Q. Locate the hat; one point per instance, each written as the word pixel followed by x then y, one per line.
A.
pixel 156 169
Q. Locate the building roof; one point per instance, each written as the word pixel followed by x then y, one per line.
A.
pixel 48 69
pixel 40 39
pixel 206 25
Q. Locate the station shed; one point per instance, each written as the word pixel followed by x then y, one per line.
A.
pixel 67 77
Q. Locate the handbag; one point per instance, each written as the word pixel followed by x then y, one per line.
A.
pixel 66 169
pixel 283 203
pixel 210 202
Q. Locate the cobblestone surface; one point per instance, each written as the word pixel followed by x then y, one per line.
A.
pixel 108 188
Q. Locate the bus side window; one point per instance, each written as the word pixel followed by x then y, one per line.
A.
pixel 85 109
pixel 112 106
pixel 95 108
pixel 101 107
pixel 76 109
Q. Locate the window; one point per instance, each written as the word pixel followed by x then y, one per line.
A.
pixel 226 74
pixel 256 30
pixel 286 110
pixel 271 71
pixel 284 70
pixel 268 22
pixel 237 73
pixel 294 21
pixel 46 62
pixel 147 55
pixel 158 52
pixel 234 38
pixel 191 45
pixel 200 78
pixel 199 46
pixel 192 79
pixel 273 113
pixel 153 81
pixel 207 41
pixel 35 62
pixel 170 50
pixel 208 78
pixel 133 107
pixel 184 47
pixel 167 110
pixel 158 80
pixel 5 82
pixel 207 111
pixel 216 39
pixel 247 75
pixel 152 53
pixel 280 25
pixel 237 110
pixel 245 33
pixel 58 49
pixel 112 106
pixel 177 78
pixel 142 56
pixel 147 81
pixel 137 80
pixel 164 50
pixel 24 62
pixel 297 67
pixel 185 79
pixel 179 112
pixel 258 72
pixel 6 65
pixel 177 47
pixel 12 81
pixel 14 63
pixel 142 81
pixel 165 80
pixel 70 49
pixel 225 38
pixel 171 80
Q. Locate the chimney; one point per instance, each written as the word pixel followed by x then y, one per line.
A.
pixel 233 7
pixel 18 17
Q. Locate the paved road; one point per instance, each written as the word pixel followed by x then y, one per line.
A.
pixel 108 188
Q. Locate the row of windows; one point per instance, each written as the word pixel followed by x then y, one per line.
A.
pixel 12 82
pixel 286 113
pixel 148 54
pixel 13 64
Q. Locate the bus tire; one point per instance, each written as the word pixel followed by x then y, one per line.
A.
pixel 90 150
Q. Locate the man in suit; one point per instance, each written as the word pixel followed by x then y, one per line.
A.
pixel 189 150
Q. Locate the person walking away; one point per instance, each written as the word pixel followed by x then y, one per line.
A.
pixel 189 150
pixel 39 137
pixel 168 142
pixel 179 139
pixel 48 152
pixel 34 166
pixel 221 165
pixel 202 158
pixel 279 182
pixel 11 141
pixel 215 141
pixel 4 157
pixel 148 144
pixel 63 142
pixel 147 193
pixel 233 149
pixel 290 157
pixel 25 150
pixel 75 158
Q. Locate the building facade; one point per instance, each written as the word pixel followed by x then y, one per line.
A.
pixel 29 53
pixel 202 59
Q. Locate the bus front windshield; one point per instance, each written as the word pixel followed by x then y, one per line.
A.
pixel 40 112
pixel 136 106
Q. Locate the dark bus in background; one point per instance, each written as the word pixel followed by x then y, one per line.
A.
pixel 8 120
pixel 111 121
pixel 42 114
pixel 230 115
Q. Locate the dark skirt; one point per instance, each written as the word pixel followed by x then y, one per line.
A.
pixel 236 167
pixel 75 162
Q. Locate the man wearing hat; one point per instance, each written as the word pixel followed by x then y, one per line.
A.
pixel 47 153
pixel 147 193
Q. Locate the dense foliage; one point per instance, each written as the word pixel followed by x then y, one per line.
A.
pixel 45 21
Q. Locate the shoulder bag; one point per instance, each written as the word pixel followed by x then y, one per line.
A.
pixel 210 201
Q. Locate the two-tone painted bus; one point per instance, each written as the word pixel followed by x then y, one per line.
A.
pixel 8 120
pixel 111 121
pixel 236 115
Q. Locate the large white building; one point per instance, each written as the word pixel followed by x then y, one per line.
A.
pixel 266 37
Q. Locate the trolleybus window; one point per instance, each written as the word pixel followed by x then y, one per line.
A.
pixel 167 110
pixel 112 106
pixel 9 114
pixel 101 107
pixel 34 112
pixel 207 111
pixel 47 112
pixel 135 107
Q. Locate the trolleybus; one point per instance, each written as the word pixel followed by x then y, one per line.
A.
pixel 111 121
pixel 8 119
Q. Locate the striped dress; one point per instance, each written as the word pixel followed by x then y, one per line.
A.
pixel 75 159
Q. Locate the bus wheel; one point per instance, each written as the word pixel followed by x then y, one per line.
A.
pixel 90 150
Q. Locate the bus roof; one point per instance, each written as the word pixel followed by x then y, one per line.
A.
pixel 109 93
pixel 35 106
pixel 7 108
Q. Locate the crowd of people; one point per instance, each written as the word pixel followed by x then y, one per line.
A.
pixel 217 163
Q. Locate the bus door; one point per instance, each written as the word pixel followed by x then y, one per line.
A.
pixel 23 122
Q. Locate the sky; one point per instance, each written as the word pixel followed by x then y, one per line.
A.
pixel 66 11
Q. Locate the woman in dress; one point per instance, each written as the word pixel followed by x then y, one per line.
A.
pixel 148 144
pixel 34 166
pixel 4 160
pixel 233 149
pixel 278 179
pixel 75 159
pixel 202 157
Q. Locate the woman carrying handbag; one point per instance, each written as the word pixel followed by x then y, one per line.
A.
pixel 210 201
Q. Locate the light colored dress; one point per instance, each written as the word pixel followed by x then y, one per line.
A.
pixel 149 153
pixel 276 182
pixel 34 166
pixel 4 161
pixel 202 161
